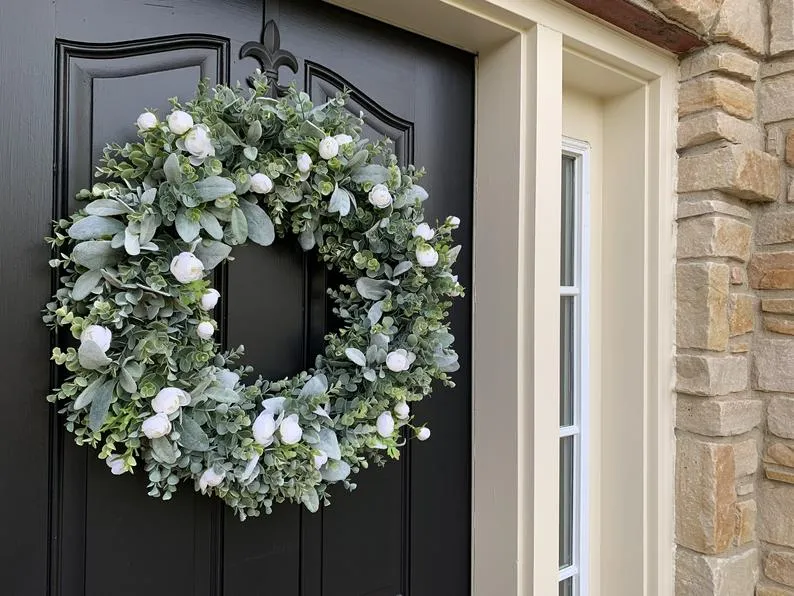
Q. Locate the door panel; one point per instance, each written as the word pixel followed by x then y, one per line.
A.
pixel 406 529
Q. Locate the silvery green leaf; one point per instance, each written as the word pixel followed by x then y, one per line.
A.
pixel 214 187
pixel 447 362
pixel 88 394
pixel 452 254
pixel 91 355
pixel 211 253
pixel 131 243
pixel 416 192
pixel 340 202
pixel 335 470
pixel 106 207
pixel 371 289
pixel 222 395
pixel 317 385
pixel 310 129
pixel 402 268
pixel 375 312
pixel 164 450
pixel 288 194
pixel 94 254
pixel 357 356
pixel 187 229
pixel 191 435
pixel 329 443
pixel 172 171
pixel 254 132
pixel 320 411
pixel 306 239
pixel 311 437
pixel 275 405
pixel 260 226
pixel 238 227
pixel 148 196
pixel 250 153
pixel 372 173
pixel 358 159
pixel 311 500
pixel 372 353
pixel 151 246
pixel 100 405
pixel 85 284
pixel 369 375
pixel 111 278
pixel 445 338
pixel 210 223
pixel 380 340
pixel 149 225
pixel 127 382
pixel 95 226
pixel 118 240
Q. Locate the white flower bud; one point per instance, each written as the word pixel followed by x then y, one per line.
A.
pixel 454 221
pixel 146 121
pixel 343 139
pixel 261 183
pixel 402 410
pixel 227 378
pixel 385 425
pixel 380 196
pixel 205 330
pixel 290 430
pixel 116 465
pixel 426 255
pixel 263 428
pixel 329 148
pixel 210 478
pixel 169 399
pixel 304 162
pixel 209 299
pixel 319 460
pixel 423 434
pixel 98 334
pixel 186 267
pixel 156 426
pixel 424 231
pixel 180 122
pixel 398 360
pixel 199 144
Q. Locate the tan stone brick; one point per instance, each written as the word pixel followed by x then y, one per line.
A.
pixel 702 295
pixel 713 237
pixel 698 15
pixel 778 305
pixel 739 345
pixel 745 455
pixel 781 26
pixel 777 503
pixel 737 275
pixel 740 314
pixel 720 58
pixel 771 270
pixel 772 365
pixel 775 98
pixel 779 473
pixel 717 417
pixel 742 22
pixel 710 92
pixel 780 415
pixel 779 453
pixel 745 487
pixel 775 227
pixel 737 170
pixel 779 567
pixel 705 495
pixel 770 590
pixel 716 126
pixel 711 375
pixel 780 325
pixel 746 514
pixel 709 202
pixel 702 575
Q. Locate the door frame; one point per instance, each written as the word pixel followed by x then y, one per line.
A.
pixel 526 50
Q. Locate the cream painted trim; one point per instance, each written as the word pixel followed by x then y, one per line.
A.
pixel 515 353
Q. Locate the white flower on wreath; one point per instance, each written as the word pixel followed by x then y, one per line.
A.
pixel 423 434
pixel 320 459
pixel 210 478
pixel 116 465
pixel 199 144
pixel 385 425
pixel 343 139
pixel 290 430
pixel 329 148
pixel 98 334
pixel 205 330
pixel 426 255
pixel 186 267
pixel 454 221
pixel 424 231
pixel 169 400
pixel 263 428
pixel 261 183
pixel 179 122
pixel 304 163
pixel 380 196
pixel 209 299
pixel 399 360
pixel 146 121
pixel 156 426
pixel 227 378
pixel 402 410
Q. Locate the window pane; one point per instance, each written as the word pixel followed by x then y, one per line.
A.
pixel 566 587
pixel 566 500
pixel 567 360
pixel 568 248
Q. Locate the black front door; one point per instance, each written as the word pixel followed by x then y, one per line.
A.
pixel 69 527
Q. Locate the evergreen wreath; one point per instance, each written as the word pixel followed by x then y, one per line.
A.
pixel 149 385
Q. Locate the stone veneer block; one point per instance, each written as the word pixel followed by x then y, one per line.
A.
pixel 722 59
pixel 780 453
pixel 698 15
pixel 779 325
pixel 707 203
pixel 742 22
pixel 780 415
pixel 779 567
pixel 702 296
pixel 715 126
pixel 790 147
pixel 705 518
pixel 713 237
pixel 707 93
pixel 747 514
pixel 781 26
pixel 746 457
pixel 775 228
pixel 771 270
pixel 740 314
pixel 711 375
pixel 774 514
pixel 773 365
pixel 779 473
pixel 737 170
pixel 770 590
pixel 778 305
pixel 701 575
pixel 717 417
pixel 775 98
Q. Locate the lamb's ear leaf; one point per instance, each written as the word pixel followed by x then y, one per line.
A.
pixel 88 394
pixel 95 226
pixel 329 443
pixel 94 254
pixel 91 356
pixel 100 405
pixel 191 435
pixel 260 226
pixel 85 284
pixel 173 173
pixel 212 253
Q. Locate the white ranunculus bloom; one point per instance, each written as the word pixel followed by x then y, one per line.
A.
pixel 385 425
pixel 98 334
pixel 343 139
pixel 424 231
pixel 227 378
pixel 146 121
pixel 329 148
pixel 186 267
pixel 199 144
pixel 290 430
pixel 169 399
pixel 116 465
pixel 209 299
pixel 380 196
pixel 205 330
pixel 210 478
pixel 320 459
pixel 402 410
pixel 423 434
pixel 261 183
pixel 263 428
pixel 426 255
pixel 398 360
pixel 454 221
pixel 156 426
pixel 304 162
pixel 180 122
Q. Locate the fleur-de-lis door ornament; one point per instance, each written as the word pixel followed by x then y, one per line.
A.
pixel 270 56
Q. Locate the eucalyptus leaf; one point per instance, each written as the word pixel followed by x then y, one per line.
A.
pixel 164 450
pixel 106 207
pixel 329 443
pixel 447 362
pixel 250 153
pixel 335 470
pixel 214 187
pixel 88 394
pixel 212 253
pixel 238 226
pixel 356 356
pixel 172 171
pixel 452 254
pixel 100 405
pixel 416 192
pixel 91 356
pixel 94 254
pixel 260 226
pixel 191 435
pixel 210 223
pixel 95 226
pixel 86 283
pixel 288 194
pixel 310 499
pixel 317 385
pixel 306 239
